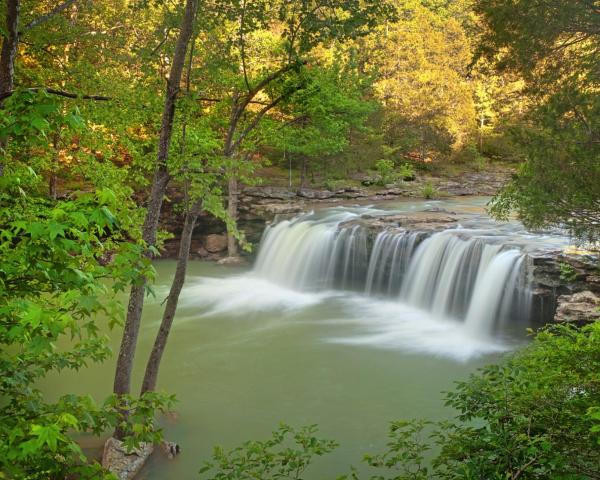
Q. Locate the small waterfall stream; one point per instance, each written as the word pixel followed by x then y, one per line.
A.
pixel 454 274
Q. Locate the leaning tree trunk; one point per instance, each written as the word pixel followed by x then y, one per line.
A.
pixel 152 368
pixel 232 210
pixel 122 384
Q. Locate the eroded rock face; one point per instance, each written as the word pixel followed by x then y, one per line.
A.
pixel 580 307
pixel 123 465
pixel 215 243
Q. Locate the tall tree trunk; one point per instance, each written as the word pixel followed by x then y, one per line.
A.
pixel 152 368
pixel 232 210
pixel 8 54
pixel 122 384
pixel 9 47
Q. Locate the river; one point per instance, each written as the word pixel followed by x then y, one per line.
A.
pixel 252 348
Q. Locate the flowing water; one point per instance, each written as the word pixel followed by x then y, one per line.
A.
pixel 332 326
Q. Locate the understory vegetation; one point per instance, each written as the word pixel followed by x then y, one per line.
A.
pixel 110 109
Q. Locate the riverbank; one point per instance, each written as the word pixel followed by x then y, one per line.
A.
pixel 259 205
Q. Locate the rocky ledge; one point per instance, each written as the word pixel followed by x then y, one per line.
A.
pixel 580 307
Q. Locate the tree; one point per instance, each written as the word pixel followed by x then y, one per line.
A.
pixel 420 64
pixel 256 58
pixel 63 264
pixel 554 46
pixel 122 383
pixel 317 120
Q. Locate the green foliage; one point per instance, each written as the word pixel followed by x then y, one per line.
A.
pixel 429 191
pixel 405 454
pixel 287 454
pixel 554 46
pixel 567 272
pixel 533 417
pixel 407 172
pixel 387 172
pixel 385 169
pixel 63 264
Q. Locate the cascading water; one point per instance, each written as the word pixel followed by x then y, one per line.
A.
pixel 312 253
pixel 389 261
pixel 454 274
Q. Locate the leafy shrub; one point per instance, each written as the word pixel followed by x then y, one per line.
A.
pixel 334 185
pixel 567 272
pixel 287 454
pixel 429 191
pixel 407 172
pixel 385 170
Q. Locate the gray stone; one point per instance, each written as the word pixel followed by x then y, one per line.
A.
pixel 124 465
pixel 580 307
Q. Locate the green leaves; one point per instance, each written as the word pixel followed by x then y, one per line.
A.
pixel 55 284
pixel 287 454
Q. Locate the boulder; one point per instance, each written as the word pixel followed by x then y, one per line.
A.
pixel 580 307
pixel 122 464
pixel 215 243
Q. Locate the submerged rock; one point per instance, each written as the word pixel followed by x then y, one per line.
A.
pixel 124 465
pixel 580 307
pixel 171 449
pixel 233 261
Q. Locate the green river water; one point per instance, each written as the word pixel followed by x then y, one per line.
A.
pixel 246 354
pixel 237 373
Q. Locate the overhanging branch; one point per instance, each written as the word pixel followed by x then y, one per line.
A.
pixel 60 93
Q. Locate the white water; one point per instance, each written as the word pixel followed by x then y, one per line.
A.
pixel 458 293
pixel 455 275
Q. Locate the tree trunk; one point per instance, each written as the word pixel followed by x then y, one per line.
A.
pixel 9 47
pixel 8 54
pixel 303 173
pixel 52 186
pixel 122 384
pixel 152 368
pixel 232 210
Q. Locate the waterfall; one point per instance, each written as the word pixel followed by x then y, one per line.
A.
pixel 309 253
pixel 455 274
pixel 390 258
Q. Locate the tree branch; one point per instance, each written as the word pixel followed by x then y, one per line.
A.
pixel 242 46
pixel 44 18
pixel 257 119
pixel 60 93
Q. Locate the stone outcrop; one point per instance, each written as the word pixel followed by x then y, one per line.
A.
pixel 580 307
pixel 124 465
pixel 215 243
